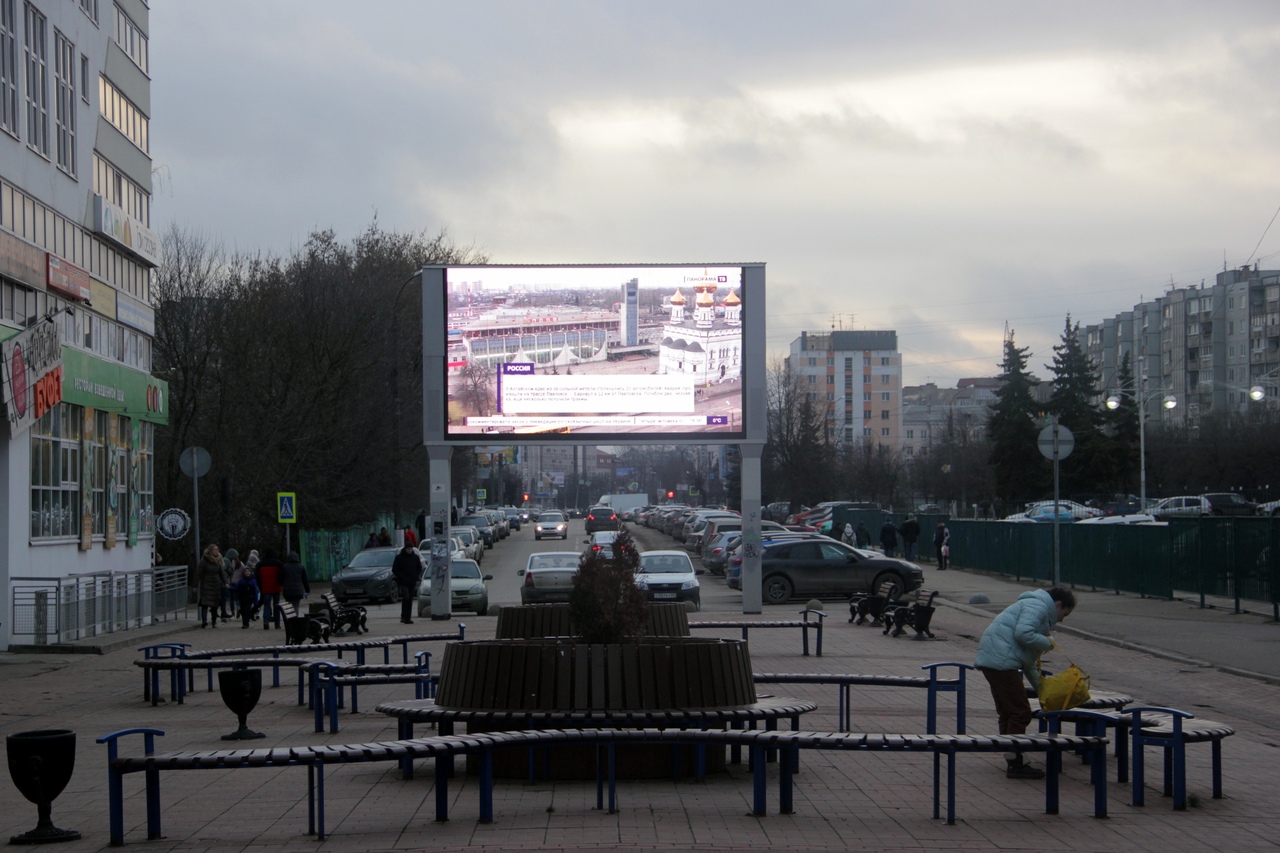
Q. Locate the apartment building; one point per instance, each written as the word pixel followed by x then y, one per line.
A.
pixel 77 256
pixel 855 379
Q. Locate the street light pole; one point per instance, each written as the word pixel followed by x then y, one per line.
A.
pixel 1142 398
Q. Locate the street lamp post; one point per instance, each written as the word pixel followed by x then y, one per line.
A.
pixel 1142 398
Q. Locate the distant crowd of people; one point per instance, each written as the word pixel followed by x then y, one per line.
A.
pixel 908 533
pixel 251 589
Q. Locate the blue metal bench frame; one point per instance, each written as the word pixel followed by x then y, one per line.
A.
pixel 315 758
pixel 804 624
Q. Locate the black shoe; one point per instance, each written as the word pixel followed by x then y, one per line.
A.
pixel 1022 770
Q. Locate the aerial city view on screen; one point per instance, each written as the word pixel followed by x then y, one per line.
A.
pixel 596 350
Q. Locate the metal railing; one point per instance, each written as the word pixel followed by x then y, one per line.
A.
pixel 57 610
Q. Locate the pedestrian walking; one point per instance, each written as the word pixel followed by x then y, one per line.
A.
pixel 1010 649
pixel 420 525
pixel 847 538
pixel 232 565
pixel 410 538
pixel 862 536
pixel 293 580
pixel 384 538
pixel 942 544
pixel 372 541
pixel 888 537
pixel 406 568
pixel 245 586
pixel 269 588
pixel 910 531
pixel 211 580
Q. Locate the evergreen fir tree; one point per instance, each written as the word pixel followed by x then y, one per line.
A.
pixel 1074 401
pixel 1020 471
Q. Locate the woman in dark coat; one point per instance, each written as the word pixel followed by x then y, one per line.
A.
pixel 211 579
pixel 293 578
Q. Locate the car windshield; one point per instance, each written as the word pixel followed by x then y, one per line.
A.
pixel 466 534
pixel 475 519
pixel 550 516
pixel 464 569
pixel 365 559
pixel 553 561
pixel 665 564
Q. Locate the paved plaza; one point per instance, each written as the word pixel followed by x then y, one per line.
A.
pixel 1211 662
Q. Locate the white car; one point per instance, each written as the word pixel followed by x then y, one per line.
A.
pixel 551 523
pixel 466 586
pixel 668 576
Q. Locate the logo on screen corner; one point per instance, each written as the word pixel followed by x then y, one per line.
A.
pixel 518 368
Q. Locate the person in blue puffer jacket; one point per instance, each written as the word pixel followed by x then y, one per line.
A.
pixel 1010 648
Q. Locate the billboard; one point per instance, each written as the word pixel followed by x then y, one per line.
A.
pixel 628 353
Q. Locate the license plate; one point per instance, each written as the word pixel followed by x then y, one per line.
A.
pixel 664 595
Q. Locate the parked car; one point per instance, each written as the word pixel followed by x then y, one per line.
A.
pixel 601 517
pixel 668 576
pixel 1268 508
pixel 1043 510
pixel 1230 503
pixel 823 567
pixel 1183 506
pixel 548 576
pixel 500 523
pixel 513 516
pixel 716 555
pixel 368 577
pixel 482 523
pixel 1133 518
pixel 551 523
pixel 472 542
pixel 466 585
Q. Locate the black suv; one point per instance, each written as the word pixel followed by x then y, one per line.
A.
pixel 601 517
pixel 822 567
pixel 1230 503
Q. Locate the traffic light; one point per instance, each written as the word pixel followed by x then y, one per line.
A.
pixel 670 494
pixel 526 496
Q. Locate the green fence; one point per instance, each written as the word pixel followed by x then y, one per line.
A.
pixel 325 552
pixel 1232 558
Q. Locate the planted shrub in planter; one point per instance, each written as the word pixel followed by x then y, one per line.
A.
pixel 605 605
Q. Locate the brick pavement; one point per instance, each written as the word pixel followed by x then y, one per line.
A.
pixel 842 800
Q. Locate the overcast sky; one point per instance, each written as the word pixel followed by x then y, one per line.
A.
pixel 937 168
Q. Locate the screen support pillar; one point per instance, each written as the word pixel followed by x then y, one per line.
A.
pixel 751 597
pixel 440 476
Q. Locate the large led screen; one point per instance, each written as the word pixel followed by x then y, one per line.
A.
pixel 619 351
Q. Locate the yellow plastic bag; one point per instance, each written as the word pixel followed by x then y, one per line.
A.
pixel 1064 690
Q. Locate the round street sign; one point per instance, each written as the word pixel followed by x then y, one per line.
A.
pixel 173 524
pixel 1066 442
pixel 194 462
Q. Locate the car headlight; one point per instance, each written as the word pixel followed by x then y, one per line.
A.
pixel 643 583
pixel 383 575
pixel 688 584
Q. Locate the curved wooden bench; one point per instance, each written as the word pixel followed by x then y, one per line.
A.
pixel 329 679
pixel 183 670
pixel 542 621
pixel 804 624
pixel 932 683
pixel 316 758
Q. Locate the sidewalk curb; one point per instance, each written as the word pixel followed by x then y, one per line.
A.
pixel 1125 644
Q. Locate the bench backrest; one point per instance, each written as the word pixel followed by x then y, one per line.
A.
pixel 924 597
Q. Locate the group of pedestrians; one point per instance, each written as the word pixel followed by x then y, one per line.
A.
pixel 908 533
pixel 228 587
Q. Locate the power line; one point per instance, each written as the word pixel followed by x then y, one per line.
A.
pixel 1264 234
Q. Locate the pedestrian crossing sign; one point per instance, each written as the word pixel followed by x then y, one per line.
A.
pixel 287 507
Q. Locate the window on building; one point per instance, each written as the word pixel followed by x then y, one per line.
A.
pixel 911 433
pixel 866 361
pixel 90 8
pixel 866 414
pixel 813 362
pixel 121 113
pixel 848 435
pixel 9 66
pixel 113 185
pixel 84 78
pixel 884 396
pixel 848 364
pixel 810 396
pixel 131 39
pixel 909 450
pixel 884 414
pixel 831 362
pixel 866 378
pixel 831 396
pixel 813 380
pixel 884 380
pixel 64 76
pixel 884 361
pixel 866 431
pixel 55 473
pixel 831 379
pixel 884 431
pixel 37 63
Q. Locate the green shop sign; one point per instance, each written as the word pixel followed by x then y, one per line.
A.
pixel 92 382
